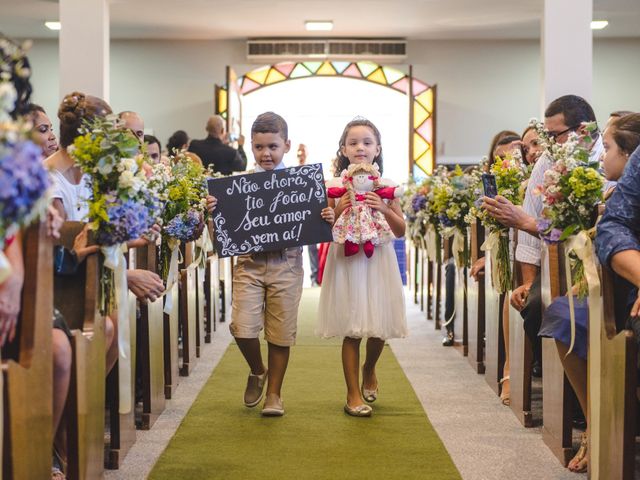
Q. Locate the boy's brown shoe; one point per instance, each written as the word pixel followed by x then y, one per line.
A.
pixel 272 406
pixel 255 387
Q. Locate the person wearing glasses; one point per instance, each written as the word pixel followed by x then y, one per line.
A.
pixel 564 115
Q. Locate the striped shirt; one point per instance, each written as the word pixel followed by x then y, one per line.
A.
pixel 529 247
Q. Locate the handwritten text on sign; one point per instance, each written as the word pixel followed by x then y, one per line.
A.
pixel 269 210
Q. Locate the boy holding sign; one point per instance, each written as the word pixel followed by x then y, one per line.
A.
pixel 267 286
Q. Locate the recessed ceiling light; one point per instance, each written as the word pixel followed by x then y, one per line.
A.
pixel 599 24
pixel 52 25
pixel 318 25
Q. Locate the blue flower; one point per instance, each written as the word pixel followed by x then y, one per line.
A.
pixel 418 202
pixel 23 181
pixel 186 227
pixel 543 225
pixel 127 221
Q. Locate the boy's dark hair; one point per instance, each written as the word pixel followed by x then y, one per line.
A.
pixel 576 110
pixel 343 162
pixel 270 122
pixel 149 139
pixel 176 141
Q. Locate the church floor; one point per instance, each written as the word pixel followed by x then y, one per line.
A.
pixel 220 438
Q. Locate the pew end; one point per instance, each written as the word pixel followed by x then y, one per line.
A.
pixel 27 370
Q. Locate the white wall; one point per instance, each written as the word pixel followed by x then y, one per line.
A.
pixel 483 86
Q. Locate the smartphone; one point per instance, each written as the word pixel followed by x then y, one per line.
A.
pixel 489 185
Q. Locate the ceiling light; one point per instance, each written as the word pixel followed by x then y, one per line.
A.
pixel 318 25
pixel 599 24
pixel 52 25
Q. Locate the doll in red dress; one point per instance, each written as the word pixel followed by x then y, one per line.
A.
pixel 359 224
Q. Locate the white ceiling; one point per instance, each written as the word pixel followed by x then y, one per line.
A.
pixel 240 19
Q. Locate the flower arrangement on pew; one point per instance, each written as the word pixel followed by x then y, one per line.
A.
pixel 453 197
pixel 185 215
pixel 122 207
pixel 413 203
pixel 571 191
pixel 23 179
pixel 510 174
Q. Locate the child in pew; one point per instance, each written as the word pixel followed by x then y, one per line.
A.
pixel 620 139
pixel 267 286
pixel 362 297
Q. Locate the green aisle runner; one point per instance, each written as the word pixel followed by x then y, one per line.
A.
pixel 220 438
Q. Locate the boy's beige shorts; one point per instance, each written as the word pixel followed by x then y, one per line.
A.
pixel 266 293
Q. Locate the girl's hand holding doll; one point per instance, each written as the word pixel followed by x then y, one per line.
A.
pixel 328 215
pixel 343 204
pixel 374 201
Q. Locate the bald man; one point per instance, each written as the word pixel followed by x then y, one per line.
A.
pixel 134 122
pixel 213 151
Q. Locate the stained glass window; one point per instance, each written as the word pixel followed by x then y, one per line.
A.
pixel 423 95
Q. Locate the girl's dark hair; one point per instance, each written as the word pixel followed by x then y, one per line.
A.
pixel 342 161
pixel 176 141
pixel 76 108
pixel 626 132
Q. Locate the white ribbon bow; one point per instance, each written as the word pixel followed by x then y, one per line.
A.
pixel 431 242
pixel 490 245
pixel 172 275
pixel 458 247
pixel 114 259
pixel 581 245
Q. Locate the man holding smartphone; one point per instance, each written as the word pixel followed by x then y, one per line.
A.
pixel 564 115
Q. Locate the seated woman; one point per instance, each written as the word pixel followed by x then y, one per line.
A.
pixel 620 139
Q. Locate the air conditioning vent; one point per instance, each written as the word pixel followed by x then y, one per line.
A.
pixel 333 49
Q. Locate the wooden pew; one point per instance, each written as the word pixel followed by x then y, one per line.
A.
pixel 461 328
pixel 429 287
pixel 171 348
pixel 151 343
pixel 226 281
pixel 520 358
pixel 475 303
pixel 414 271
pixel 200 309
pixel 494 343
pixel 558 398
pixel 77 299
pixel 27 367
pixel 122 426
pixel 421 279
pixel 188 311
pixel 612 384
pixel 211 292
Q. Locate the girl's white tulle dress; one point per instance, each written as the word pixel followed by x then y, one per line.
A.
pixel 362 297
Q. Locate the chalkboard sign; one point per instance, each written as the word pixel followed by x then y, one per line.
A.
pixel 266 211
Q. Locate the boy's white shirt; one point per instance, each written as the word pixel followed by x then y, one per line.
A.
pixel 279 166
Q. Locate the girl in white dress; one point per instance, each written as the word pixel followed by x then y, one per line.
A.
pixel 362 297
